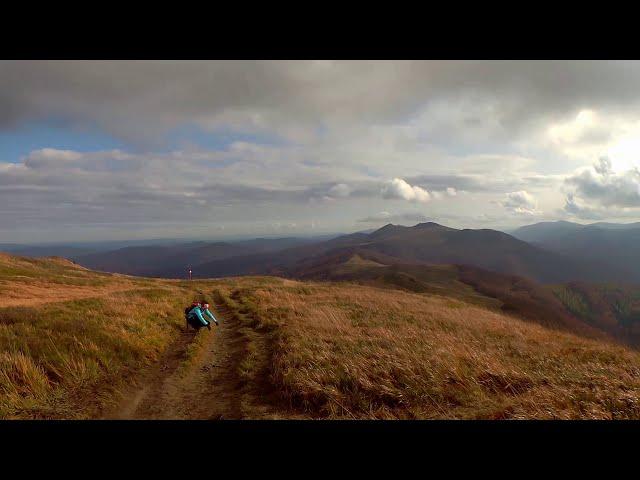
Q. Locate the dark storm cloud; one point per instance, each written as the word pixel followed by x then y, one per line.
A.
pixel 136 99
pixel 340 133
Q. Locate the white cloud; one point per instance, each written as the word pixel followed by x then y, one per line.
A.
pixel 410 218
pixel 600 184
pixel 575 208
pixel 399 189
pixel 340 190
pixel 586 125
pixel 521 202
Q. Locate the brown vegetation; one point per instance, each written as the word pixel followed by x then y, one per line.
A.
pixel 70 338
pixel 309 349
pixel 340 351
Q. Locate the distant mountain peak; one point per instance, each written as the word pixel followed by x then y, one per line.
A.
pixel 391 229
pixel 429 225
pixel 387 228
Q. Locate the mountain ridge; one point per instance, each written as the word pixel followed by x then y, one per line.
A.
pixel 392 349
pixel 617 245
pixel 423 244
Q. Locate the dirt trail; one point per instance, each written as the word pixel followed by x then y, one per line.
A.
pixel 205 385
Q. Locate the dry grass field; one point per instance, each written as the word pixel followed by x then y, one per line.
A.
pixel 347 351
pixel 70 348
pixel 70 338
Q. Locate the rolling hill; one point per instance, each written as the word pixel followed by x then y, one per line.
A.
pixel 173 261
pixel 352 352
pixel 169 261
pixel 525 298
pixel 422 244
pixel 611 308
pixel 425 243
pixel 615 245
pixel 544 231
pixel 82 344
pixel 49 251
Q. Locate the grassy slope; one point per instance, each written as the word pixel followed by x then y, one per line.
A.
pixel 615 308
pixel 349 351
pixel 517 296
pixel 432 279
pixel 71 338
pixel 328 350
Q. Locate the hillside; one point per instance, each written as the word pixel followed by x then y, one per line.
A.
pixel 173 261
pixel 543 232
pixel 170 261
pixel 425 243
pixel 47 251
pixel 615 245
pixel 613 308
pixel 522 297
pixel 82 344
pixel 71 338
pixel 348 351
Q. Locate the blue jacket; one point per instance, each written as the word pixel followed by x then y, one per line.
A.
pixel 198 312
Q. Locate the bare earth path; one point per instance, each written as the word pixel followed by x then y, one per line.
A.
pixel 205 385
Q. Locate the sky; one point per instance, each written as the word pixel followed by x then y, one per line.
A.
pixel 114 150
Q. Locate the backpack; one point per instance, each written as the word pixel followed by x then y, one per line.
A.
pixel 187 311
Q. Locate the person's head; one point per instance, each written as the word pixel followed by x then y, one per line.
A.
pixel 204 305
pixel 195 304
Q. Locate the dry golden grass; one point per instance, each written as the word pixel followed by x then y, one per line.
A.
pixel 67 350
pixel 362 352
pixel 46 293
pixel 30 281
pixel 326 350
pixel 65 360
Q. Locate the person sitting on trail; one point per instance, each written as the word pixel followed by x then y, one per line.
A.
pixel 205 311
pixel 195 315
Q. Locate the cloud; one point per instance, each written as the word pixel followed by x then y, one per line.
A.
pixel 380 217
pixel 283 141
pixel 387 217
pixel 600 184
pixel 138 100
pixel 508 180
pixel 521 202
pixel 340 190
pixel 587 127
pixel 399 189
pixel 448 192
pixel 574 208
pixel 55 187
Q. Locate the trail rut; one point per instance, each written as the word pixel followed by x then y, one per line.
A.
pixel 204 385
